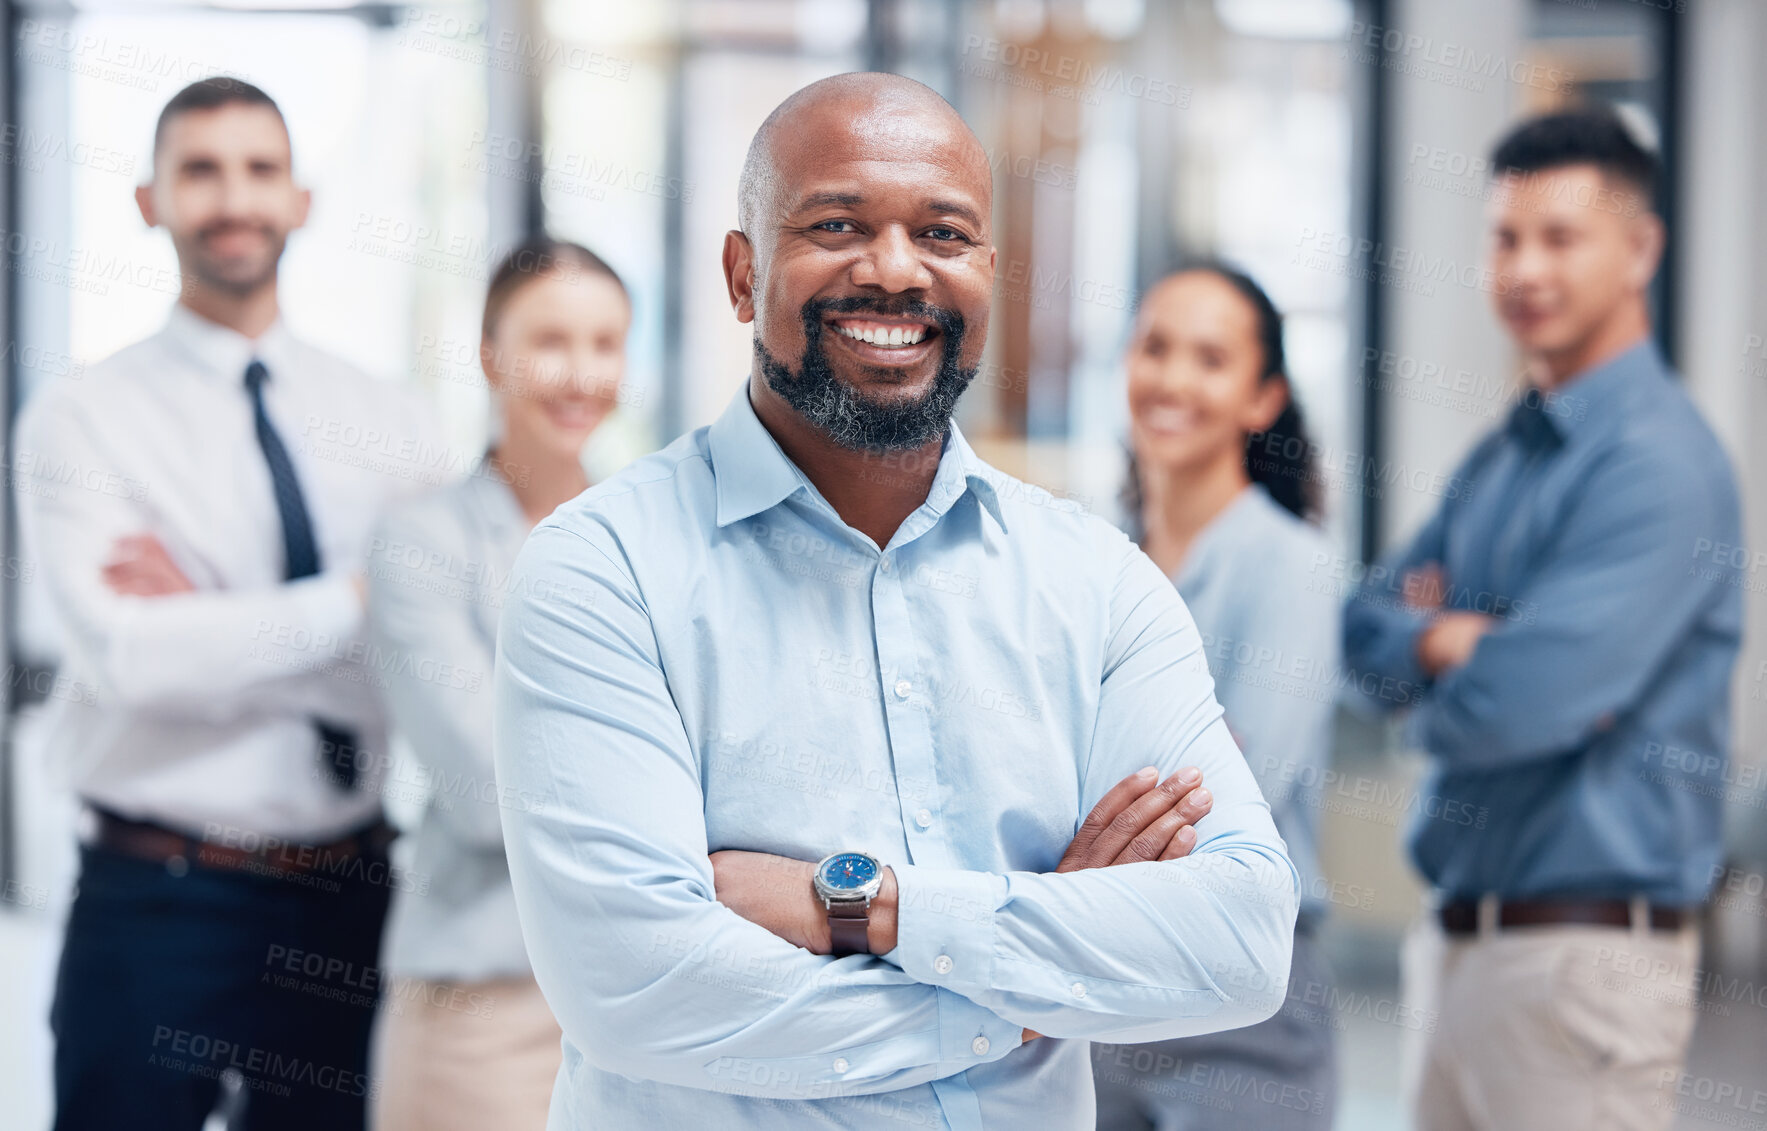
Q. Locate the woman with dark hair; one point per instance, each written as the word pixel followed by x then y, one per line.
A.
pixel 466 1039
pixel 1219 494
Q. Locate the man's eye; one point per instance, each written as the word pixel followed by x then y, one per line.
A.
pixel 835 225
pixel 945 235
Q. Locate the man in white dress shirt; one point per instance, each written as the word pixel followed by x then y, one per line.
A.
pixel 201 504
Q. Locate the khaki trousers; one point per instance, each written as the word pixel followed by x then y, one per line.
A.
pixel 1555 1028
pixel 467 1056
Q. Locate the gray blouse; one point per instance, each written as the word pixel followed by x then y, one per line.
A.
pixel 438 576
pixel 1257 583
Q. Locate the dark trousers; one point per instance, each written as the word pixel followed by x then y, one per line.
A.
pixel 170 982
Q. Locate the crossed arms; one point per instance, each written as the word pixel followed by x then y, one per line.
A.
pixel 158 642
pixel 1606 602
pixel 653 973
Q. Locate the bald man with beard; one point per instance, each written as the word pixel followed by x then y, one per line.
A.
pixel 864 781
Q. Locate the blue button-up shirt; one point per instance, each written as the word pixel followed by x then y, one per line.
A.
pixel 701 655
pixel 1582 750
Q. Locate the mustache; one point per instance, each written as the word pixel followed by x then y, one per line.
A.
pixel 232 226
pixel 949 322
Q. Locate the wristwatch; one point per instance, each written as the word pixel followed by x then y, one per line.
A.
pixel 846 883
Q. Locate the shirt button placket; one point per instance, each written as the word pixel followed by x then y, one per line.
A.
pixel 905 699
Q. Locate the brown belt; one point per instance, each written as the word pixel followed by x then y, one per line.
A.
pixel 1462 916
pixel 236 852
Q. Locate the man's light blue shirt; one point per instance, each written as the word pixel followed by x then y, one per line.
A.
pixel 1582 751
pixel 701 655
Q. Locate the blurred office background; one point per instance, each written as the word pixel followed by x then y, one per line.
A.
pixel 1331 147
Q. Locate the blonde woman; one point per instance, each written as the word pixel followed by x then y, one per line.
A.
pixel 466 1039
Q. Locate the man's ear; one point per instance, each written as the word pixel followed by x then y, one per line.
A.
pixel 1648 238
pixel 303 206
pixel 488 361
pixel 144 201
pixel 739 274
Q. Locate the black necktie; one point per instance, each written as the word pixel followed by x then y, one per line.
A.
pixel 337 747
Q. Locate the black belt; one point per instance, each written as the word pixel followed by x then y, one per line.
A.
pixel 1461 917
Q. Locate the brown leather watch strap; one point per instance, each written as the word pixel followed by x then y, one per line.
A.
pixel 848 927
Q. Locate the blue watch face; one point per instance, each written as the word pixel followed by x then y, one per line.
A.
pixel 849 871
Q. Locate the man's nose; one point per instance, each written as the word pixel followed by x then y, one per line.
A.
pixel 236 194
pixel 892 262
pixel 1524 265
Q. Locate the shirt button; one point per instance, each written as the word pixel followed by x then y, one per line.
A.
pixel 979 1046
pixel 903 687
pixel 942 964
pixel 840 1064
pixel 924 819
pixel 884 564
pixel 1078 989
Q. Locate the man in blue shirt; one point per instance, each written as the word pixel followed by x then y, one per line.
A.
pixel 813 701
pixel 1576 626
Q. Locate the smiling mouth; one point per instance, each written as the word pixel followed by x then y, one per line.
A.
pixel 883 334
pixel 1167 419
pixel 234 237
pixel 572 414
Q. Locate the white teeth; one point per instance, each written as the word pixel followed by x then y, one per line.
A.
pixel 1169 419
pixel 892 338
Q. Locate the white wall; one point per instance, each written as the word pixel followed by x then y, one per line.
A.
pixel 1723 310
pixel 1437 217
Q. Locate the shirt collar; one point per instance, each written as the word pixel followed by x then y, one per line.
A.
pixel 496 501
pixel 753 473
pixel 223 353
pixel 1590 399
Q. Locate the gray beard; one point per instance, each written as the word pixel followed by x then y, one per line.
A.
pixel 852 420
